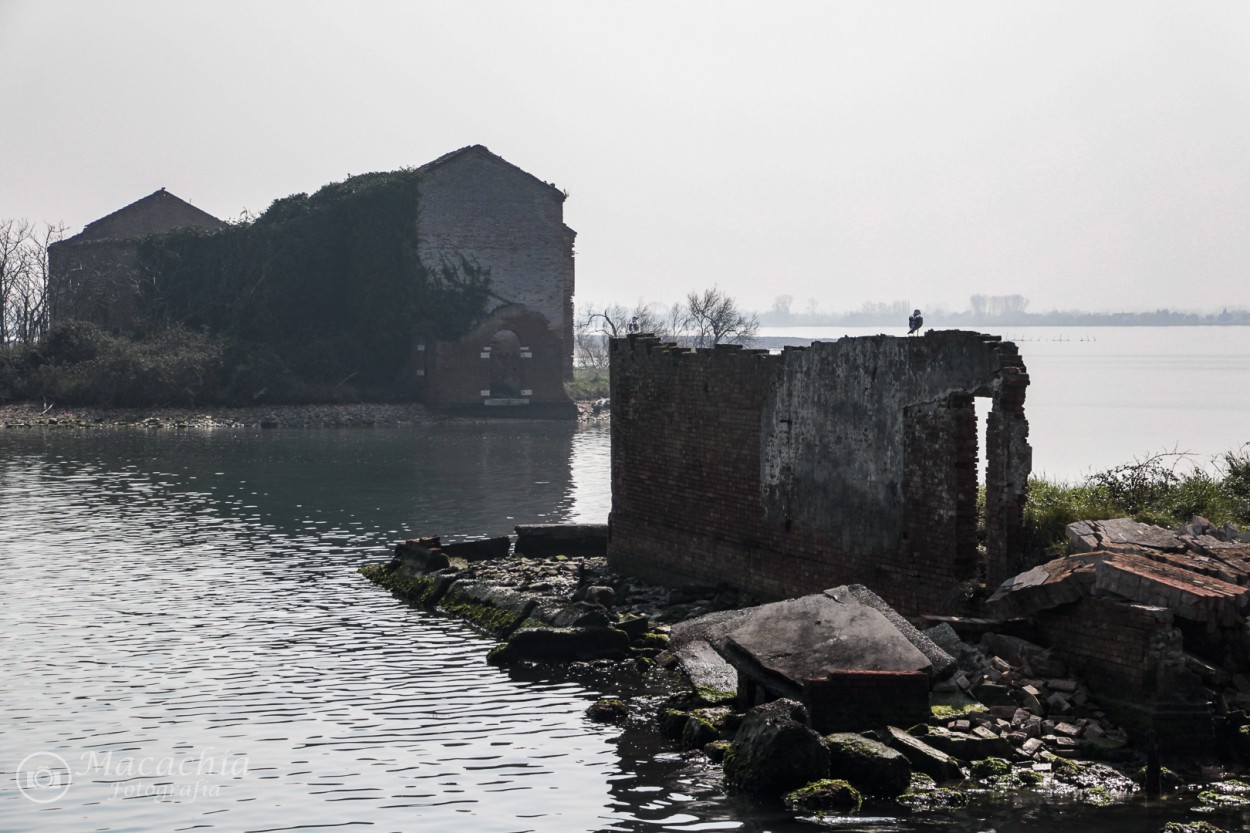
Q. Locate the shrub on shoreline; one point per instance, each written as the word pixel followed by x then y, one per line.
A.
pixel 1150 491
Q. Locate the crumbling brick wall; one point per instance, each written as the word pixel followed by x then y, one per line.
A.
pixel 844 462
pixel 1133 655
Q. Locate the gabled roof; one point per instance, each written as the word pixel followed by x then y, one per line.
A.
pixel 480 150
pixel 158 211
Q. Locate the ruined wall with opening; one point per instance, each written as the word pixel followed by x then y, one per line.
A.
pixel 843 462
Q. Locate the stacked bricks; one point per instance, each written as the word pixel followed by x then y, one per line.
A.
pixel 1189 594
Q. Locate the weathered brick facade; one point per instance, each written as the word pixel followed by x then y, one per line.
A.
pixel 1134 657
pixel 472 205
pixel 843 462
pixel 476 205
pixel 510 364
pixel 91 276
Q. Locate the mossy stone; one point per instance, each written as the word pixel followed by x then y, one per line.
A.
pixel 825 796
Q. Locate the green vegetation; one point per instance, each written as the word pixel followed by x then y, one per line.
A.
pixel 1151 491
pixel 316 300
pixel 79 364
pixel 990 767
pixel 588 383
pixel 827 796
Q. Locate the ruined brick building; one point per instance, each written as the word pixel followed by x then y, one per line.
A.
pixel 476 205
pixel 847 462
pixel 473 205
pixel 92 276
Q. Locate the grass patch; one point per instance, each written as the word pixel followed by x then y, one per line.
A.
pixel 588 383
pixel 1164 489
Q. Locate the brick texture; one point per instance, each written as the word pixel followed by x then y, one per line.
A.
pixel 852 462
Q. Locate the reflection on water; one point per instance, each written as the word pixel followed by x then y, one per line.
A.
pixel 183 626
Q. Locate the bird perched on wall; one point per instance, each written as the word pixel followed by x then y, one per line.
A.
pixel 914 322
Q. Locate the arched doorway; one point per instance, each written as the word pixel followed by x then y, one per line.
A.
pixel 506 378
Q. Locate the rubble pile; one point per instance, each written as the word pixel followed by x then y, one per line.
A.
pixel 1012 698
pixel 1195 581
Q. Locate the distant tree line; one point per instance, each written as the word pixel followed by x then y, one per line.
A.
pixel 707 317
pixel 996 310
pixel 316 299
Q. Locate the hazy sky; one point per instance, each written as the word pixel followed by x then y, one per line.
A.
pixel 1087 155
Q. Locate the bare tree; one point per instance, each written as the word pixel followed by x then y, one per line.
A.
pixel 24 279
pixel 594 325
pixel 714 318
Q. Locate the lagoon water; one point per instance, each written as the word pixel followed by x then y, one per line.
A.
pixel 185 643
pixel 1100 397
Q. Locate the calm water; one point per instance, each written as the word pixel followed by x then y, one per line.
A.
pixel 183 631
pixel 1102 396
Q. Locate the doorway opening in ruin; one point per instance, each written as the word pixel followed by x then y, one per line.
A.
pixel 983 405
pixel 506 379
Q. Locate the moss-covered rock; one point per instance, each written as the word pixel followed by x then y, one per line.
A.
pixel 423 590
pixel 497 610
pixel 924 794
pixel 562 645
pixel 672 722
pixel 824 796
pixel 698 732
pixel 1168 780
pixel 608 710
pixel 774 751
pixel 990 767
pixel 1191 827
pixel 1219 798
pixel 653 639
pixel 710 696
pixel 717 750
pixel 874 768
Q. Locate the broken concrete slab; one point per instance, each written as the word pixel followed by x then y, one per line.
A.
pixel 1120 535
pixel 942 661
pixel 854 701
pixel 708 671
pixel 965 746
pixel 924 758
pixel 543 540
pixel 417 556
pixel 784 643
pixel 481 549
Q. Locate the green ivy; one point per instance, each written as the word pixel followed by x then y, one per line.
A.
pixel 326 288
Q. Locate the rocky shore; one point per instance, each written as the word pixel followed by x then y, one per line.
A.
pixel 1006 715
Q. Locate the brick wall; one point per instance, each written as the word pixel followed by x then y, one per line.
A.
pixel 475 204
pixel 463 376
pixel 1132 656
pixel 851 462
pixel 92 275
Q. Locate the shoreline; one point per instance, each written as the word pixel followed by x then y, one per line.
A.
pixel 356 415
pixel 550 615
